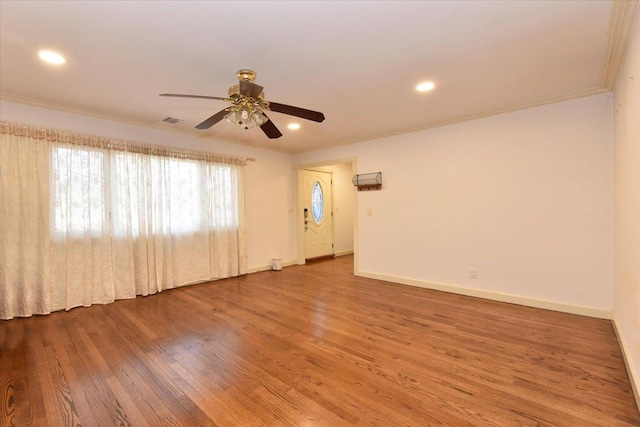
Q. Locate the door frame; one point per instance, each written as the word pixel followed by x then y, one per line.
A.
pixel 300 242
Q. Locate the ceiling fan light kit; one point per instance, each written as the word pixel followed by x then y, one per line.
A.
pixel 245 118
pixel 248 107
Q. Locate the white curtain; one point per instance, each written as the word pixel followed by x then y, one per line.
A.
pixel 86 223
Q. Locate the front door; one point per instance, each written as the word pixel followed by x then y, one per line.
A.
pixel 318 216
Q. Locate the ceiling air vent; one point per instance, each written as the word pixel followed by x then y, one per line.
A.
pixel 172 120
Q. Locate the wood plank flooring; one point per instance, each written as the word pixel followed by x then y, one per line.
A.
pixel 312 346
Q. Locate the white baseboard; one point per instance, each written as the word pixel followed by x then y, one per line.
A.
pixel 496 296
pixel 634 377
pixel 266 267
pixel 341 253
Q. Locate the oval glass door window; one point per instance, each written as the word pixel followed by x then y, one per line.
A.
pixel 317 202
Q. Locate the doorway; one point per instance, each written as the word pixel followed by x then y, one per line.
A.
pixel 316 193
pixel 326 210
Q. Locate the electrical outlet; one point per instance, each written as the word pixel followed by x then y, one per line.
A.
pixel 369 211
pixel 473 273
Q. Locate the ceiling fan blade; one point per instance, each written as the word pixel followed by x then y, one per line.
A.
pixel 212 120
pixel 270 129
pixel 179 95
pixel 250 89
pixel 303 113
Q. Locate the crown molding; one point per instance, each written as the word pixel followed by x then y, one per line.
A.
pixel 163 127
pixel 38 103
pixel 59 107
pixel 567 97
pixel 620 23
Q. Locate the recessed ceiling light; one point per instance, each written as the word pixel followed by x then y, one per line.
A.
pixel 293 126
pixel 51 57
pixel 425 86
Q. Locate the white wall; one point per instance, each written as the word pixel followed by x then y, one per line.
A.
pixel 626 296
pixel 343 207
pixel 526 198
pixel 269 180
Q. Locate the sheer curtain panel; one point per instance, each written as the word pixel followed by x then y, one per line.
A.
pixel 86 220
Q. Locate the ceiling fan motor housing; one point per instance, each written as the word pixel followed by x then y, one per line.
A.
pixel 246 75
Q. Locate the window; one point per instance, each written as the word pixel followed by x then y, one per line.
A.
pixel 133 194
pixel 152 195
pixel 317 202
pixel 225 214
pixel 78 191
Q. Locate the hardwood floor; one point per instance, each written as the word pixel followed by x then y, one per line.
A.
pixel 312 345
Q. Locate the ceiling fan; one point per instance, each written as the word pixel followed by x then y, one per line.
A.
pixel 248 107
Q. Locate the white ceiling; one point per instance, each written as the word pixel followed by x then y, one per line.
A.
pixel 357 62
